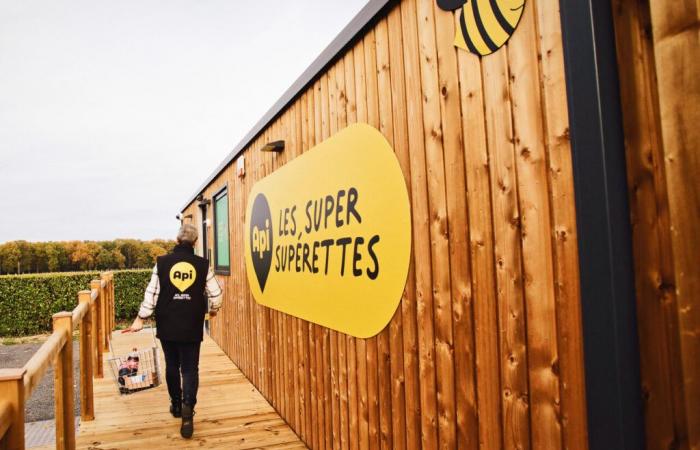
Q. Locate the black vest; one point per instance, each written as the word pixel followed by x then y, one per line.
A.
pixel 182 302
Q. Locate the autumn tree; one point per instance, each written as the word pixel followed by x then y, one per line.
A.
pixel 56 256
pixel 10 256
pixel 23 256
pixel 85 255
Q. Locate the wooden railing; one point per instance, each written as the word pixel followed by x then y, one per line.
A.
pixel 95 316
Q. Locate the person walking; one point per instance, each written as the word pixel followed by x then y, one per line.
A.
pixel 182 288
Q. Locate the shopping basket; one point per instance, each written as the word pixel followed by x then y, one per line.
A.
pixel 137 366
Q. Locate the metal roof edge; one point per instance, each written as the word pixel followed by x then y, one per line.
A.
pixel 352 30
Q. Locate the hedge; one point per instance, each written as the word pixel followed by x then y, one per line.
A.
pixel 28 301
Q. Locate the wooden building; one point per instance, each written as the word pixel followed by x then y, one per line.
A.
pixel 552 299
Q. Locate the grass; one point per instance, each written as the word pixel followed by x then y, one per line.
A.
pixel 39 338
pixel 14 340
pixel 36 339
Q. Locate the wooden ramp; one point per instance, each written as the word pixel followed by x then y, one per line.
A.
pixel 230 412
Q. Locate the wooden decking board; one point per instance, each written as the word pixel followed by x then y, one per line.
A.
pixel 230 412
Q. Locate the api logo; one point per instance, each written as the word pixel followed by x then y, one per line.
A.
pixel 261 239
pixel 485 25
pixel 182 275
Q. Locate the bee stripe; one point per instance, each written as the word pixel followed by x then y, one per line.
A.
pixel 499 17
pixel 511 10
pixel 472 33
pixel 496 32
pixel 480 27
pixel 465 35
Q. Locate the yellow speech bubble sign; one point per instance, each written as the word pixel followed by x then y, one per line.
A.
pixel 182 275
pixel 328 235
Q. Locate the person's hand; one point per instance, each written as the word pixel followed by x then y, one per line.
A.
pixel 136 326
pixel 212 313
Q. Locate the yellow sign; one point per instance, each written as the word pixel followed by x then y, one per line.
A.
pixel 328 235
pixel 484 25
pixel 182 275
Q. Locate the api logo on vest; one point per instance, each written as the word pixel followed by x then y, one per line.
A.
pixel 182 276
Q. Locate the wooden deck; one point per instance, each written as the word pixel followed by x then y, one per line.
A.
pixel 230 412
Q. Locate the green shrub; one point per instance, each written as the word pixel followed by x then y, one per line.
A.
pixel 28 301
pixel 129 286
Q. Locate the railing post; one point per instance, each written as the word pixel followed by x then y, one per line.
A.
pixel 104 305
pixel 97 330
pixel 113 308
pixel 87 406
pixel 63 384
pixel 12 390
pixel 109 301
pixel 105 292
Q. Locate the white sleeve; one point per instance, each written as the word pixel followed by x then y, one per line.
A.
pixel 150 297
pixel 214 292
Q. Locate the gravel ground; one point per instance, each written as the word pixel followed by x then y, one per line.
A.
pixel 40 405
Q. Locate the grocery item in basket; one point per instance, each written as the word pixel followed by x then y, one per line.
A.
pixel 136 370
pixel 139 381
pixel 133 358
pixel 129 368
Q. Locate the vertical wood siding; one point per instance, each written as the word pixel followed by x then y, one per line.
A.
pixel 484 351
pixel 658 48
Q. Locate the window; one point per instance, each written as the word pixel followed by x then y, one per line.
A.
pixel 202 242
pixel 222 259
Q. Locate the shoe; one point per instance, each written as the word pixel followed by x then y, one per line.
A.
pixel 176 409
pixel 187 427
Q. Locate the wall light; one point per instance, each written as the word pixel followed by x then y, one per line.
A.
pixel 275 146
pixel 240 166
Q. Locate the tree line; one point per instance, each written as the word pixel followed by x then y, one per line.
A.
pixel 18 257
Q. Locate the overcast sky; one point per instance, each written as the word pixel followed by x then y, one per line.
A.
pixel 112 113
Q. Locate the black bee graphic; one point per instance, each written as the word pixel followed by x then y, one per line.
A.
pixel 485 25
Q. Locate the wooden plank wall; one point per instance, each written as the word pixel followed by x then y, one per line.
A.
pixel 485 349
pixel 658 48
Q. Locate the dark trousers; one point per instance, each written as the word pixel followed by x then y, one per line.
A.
pixel 182 357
